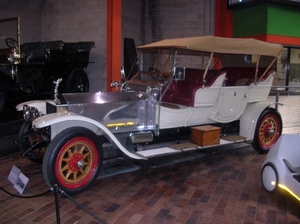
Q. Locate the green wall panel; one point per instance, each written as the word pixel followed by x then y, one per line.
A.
pixel 283 21
pixel 272 19
pixel 250 21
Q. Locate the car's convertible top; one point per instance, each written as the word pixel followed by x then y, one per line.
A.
pixel 218 45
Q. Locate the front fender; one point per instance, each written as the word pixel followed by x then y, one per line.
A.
pixel 39 104
pixel 249 119
pixel 62 121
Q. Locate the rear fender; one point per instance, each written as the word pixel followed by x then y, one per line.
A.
pixel 249 119
pixel 62 121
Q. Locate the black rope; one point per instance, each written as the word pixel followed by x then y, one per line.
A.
pixel 83 208
pixel 20 196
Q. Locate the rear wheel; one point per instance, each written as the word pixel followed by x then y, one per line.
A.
pixel 73 160
pixel 77 81
pixel 269 177
pixel 267 131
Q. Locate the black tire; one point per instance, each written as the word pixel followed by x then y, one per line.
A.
pixel 73 160
pixel 27 141
pixel 77 81
pixel 269 177
pixel 267 131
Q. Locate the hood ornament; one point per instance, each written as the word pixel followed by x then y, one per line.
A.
pixel 56 100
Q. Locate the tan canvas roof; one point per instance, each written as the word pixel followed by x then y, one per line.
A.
pixel 219 45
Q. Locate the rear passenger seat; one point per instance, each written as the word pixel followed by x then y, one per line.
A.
pixel 244 76
pixel 183 91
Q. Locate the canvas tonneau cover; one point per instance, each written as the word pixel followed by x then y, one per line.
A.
pixel 218 45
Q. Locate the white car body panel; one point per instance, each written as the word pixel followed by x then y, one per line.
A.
pixel 183 117
pixel 39 104
pixel 261 90
pixel 230 104
pixel 61 121
pixel 249 119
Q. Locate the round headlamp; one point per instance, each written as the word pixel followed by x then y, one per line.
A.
pixel 30 113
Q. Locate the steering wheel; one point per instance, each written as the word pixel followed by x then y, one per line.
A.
pixel 151 69
pixel 11 43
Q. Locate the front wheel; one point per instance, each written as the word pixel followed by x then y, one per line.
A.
pixel 77 81
pixel 268 130
pixel 73 160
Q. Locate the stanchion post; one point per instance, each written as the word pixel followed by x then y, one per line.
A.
pixel 276 100
pixel 55 189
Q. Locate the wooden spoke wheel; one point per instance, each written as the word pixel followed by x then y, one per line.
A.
pixel 268 129
pixel 73 160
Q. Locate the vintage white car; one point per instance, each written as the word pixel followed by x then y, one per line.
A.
pixel 188 94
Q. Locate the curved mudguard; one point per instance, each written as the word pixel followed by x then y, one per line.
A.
pixel 249 119
pixel 41 105
pixel 62 121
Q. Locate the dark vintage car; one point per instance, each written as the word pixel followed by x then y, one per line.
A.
pixel 29 69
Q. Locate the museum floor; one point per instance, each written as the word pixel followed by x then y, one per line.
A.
pixel 220 187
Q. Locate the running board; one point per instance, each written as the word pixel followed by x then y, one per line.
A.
pixel 186 147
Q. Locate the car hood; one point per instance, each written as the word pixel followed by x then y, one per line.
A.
pixel 100 98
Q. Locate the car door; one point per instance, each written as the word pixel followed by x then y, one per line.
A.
pixel 230 104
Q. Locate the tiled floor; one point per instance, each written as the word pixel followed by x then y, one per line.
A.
pixel 217 188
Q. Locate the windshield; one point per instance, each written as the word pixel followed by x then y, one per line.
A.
pixel 165 60
pixel 158 66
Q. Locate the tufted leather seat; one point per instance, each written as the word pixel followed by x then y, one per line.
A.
pixel 243 75
pixel 183 91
